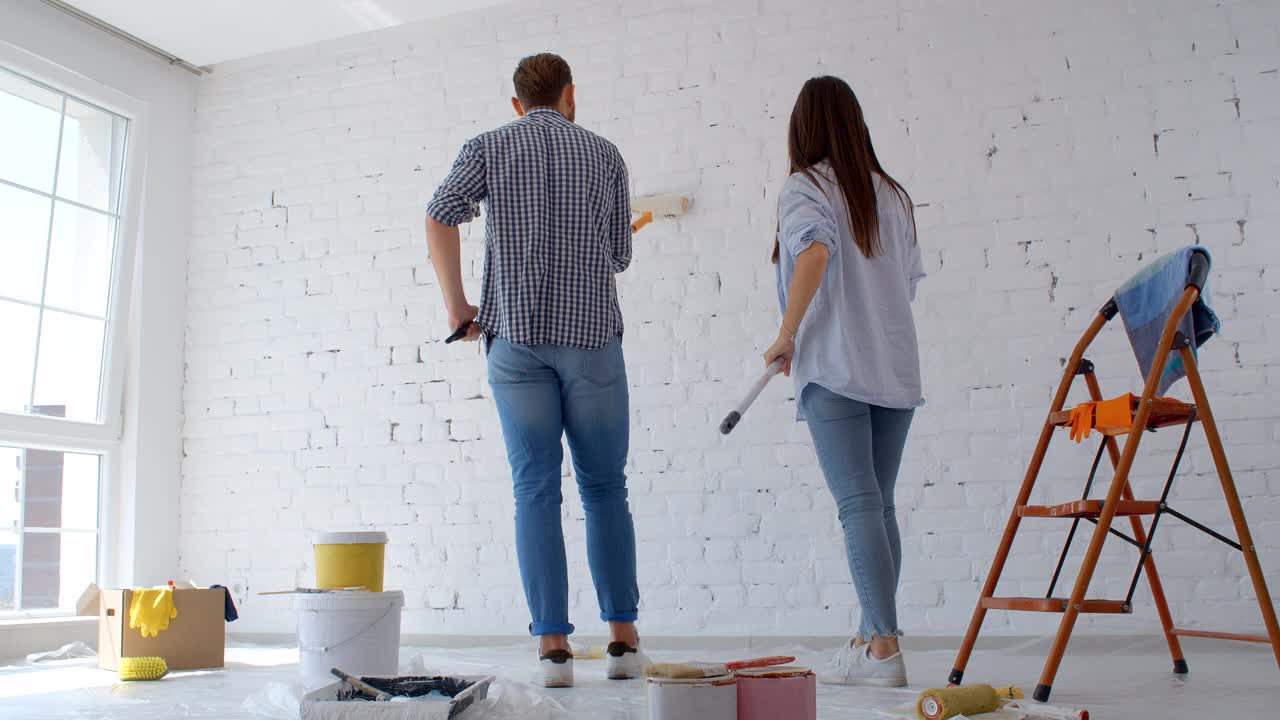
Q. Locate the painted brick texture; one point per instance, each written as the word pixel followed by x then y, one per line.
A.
pixel 1051 149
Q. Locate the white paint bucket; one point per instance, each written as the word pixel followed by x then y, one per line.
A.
pixel 357 632
pixel 713 698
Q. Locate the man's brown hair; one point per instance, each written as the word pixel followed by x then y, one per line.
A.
pixel 539 80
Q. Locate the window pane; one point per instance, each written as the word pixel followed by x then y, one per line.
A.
pixel 79 507
pixel 24 234
pixel 80 255
pixel 60 489
pixel 10 476
pixel 8 568
pixel 18 333
pixel 56 568
pixel 69 368
pixel 92 152
pixel 29 117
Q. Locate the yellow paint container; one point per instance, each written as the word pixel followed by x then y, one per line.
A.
pixel 350 559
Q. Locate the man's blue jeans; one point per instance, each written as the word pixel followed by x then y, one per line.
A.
pixel 542 393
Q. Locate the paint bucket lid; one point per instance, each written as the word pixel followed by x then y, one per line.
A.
pixel 779 671
pixel 348 600
pixel 349 538
pixel 713 680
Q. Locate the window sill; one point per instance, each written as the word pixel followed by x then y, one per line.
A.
pixel 21 636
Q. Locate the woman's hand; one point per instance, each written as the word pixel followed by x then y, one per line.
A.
pixel 784 347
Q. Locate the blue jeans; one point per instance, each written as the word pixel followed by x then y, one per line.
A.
pixel 860 449
pixel 542 393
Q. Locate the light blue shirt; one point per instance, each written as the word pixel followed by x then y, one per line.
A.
pixel 858 338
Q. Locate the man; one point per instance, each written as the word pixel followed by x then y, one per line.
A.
pixel 557 229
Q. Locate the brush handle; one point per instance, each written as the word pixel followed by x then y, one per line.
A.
pixel 769 661
pixel 1036 711
pixel 731 420
pixel 459 333
pixel 362 686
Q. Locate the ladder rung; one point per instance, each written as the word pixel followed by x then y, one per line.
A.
pixel 1088 509
pixel 1164 412
pixel 1220 635
pixel 1039 604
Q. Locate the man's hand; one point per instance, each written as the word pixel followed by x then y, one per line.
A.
pixel 464 316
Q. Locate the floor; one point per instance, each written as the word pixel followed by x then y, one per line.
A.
pixel 1125 681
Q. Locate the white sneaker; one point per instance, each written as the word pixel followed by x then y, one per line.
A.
pixel 624 661
pixel 555 669
pixel 855 666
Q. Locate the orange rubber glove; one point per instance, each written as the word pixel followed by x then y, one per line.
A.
pixel 1081 420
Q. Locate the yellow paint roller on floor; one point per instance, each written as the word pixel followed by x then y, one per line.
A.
pixel 657 206
pixel 943 703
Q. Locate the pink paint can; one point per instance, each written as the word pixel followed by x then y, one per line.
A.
pixel 772 693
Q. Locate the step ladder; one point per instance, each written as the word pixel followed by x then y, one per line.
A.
pixel 1148 413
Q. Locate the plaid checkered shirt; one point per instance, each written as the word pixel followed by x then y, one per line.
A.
pixel 557 229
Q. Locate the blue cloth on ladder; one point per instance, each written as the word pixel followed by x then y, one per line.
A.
pixel 1145 302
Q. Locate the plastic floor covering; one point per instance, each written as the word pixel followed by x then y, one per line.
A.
pixel 1129 680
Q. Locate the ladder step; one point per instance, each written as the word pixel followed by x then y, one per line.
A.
pixel 1039 604
pixel 1088 509
pixel 1220 635
pixel 1164 412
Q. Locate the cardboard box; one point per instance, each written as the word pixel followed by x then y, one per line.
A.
pixel 194 640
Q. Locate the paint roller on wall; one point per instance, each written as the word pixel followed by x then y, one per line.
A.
pixel 650 207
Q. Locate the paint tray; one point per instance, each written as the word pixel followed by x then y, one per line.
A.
pixel 425 698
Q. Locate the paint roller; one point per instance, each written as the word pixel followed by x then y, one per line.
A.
pixel 943 703
pixel 648 207
pixel 735 416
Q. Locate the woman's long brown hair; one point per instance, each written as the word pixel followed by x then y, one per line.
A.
pixel 827 124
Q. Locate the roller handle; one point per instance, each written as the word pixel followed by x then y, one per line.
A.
pixel 734 417
pixel 364 687
pixel 459 333
pixel 770 661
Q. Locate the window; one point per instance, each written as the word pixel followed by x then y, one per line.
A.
pixel 61 161
pixel 67 212
pixel 48 527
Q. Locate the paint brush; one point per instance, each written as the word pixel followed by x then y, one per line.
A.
pixel 706 669
pixel 364 687
pixel 459 333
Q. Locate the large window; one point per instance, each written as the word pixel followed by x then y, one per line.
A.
pixel 64 253
pixel 61 161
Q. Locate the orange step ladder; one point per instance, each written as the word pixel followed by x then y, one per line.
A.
pixel 1148 413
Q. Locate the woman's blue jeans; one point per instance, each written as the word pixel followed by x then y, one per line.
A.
pixel 544 392
pixel 860 449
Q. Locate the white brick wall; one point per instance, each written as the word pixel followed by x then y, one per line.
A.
pixel 1051 147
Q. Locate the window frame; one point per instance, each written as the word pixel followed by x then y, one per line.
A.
pixel 104 438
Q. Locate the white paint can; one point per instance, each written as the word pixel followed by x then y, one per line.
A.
pixel 357 632
pixel 713 698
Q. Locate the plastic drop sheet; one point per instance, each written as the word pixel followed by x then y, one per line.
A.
pixel 1113 678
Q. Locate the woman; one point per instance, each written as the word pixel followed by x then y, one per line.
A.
pixel 848 265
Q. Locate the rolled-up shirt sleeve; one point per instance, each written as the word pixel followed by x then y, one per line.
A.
pixel 804 216
pixel 620 221
pixel 458 198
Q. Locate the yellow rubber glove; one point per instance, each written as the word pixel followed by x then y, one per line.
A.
pixel 151 610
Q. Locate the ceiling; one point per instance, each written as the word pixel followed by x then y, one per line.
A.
pixel 214 31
